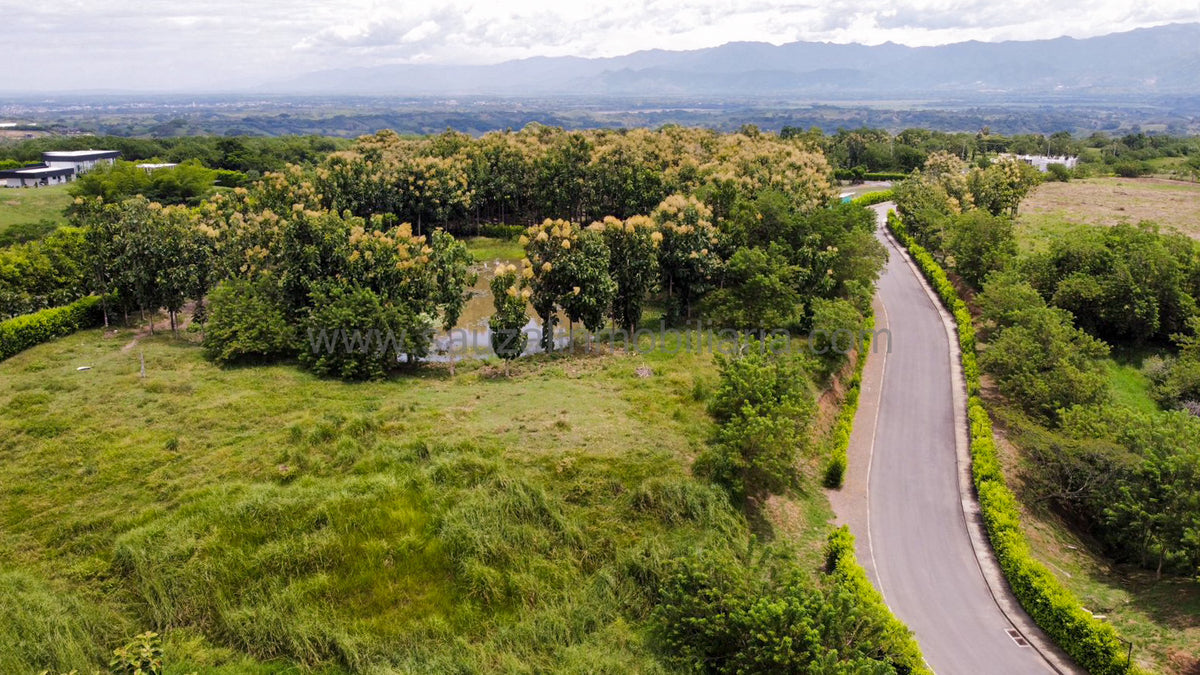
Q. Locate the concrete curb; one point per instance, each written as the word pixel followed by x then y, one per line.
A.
pixel 998 586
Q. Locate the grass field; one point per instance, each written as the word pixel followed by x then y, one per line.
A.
pixel 266 520
pixel 20 206
pixel 1053 208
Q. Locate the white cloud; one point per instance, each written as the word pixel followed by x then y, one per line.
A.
pixel 156 44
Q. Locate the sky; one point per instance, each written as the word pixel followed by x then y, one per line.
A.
pixel 223 45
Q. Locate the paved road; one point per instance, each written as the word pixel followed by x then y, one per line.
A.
pixel 918 541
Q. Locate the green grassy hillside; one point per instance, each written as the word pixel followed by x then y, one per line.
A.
pixel 271 519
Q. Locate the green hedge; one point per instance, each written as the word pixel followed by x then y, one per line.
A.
pixel 896 640
pixel 1092 643
pixel 872 198
pixel 835 470
pixel 23 332
pixel 847 174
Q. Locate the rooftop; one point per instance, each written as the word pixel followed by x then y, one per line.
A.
pixel 80 154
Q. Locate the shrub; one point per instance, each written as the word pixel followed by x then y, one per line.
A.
pixel 143 655
pixel 23 332
pixel 247 321
pixel 872 198
pixel 765 409
pixel 354 335
pixel 1058 172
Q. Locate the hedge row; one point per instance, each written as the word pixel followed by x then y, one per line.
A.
pixel 848 174
pixel 23 332
pixel 872 198
pixel 1092 643
pixel 896 640
pixel 835 471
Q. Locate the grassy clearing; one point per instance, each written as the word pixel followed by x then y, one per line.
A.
pixel 488 249
pixel 30 205
pixel 264 519
pixel 1108 201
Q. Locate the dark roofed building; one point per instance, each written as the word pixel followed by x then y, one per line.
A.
pixel 37 175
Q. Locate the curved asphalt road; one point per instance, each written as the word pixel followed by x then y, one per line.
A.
pixel 917 536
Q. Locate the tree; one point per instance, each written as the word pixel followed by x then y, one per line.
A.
pixel 685 254
pixel 764 409
pixel 1000 188
pixel 248 322
pixel 632 265
pixel 507 324
pixel 981 244
pixel 1039 359
pixel 758 292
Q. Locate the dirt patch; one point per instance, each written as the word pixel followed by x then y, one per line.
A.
pixel 1109 201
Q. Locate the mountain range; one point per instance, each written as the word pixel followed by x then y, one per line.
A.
pixel 1164 60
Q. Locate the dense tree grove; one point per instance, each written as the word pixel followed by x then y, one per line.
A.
pixel 741 227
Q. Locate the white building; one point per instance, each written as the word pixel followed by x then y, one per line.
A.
pixel 37 176
pixel 1042 162
pixel 58 167
pixel 81 161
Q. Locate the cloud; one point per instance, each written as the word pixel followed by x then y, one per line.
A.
pixel 215 44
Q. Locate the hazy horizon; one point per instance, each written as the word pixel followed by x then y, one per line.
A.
pixel 160 46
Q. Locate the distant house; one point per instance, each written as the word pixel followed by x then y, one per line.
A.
pixel 81 161
pixel 36 176
pixel 154 167
pixel 58 167
pixel 1042 162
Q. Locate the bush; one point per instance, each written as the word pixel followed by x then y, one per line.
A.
pixel 1058 173
pixel 247 322
pixel 23 332
pixel 765 410
pixel 720 613
pixel 354 335
pixel 872 198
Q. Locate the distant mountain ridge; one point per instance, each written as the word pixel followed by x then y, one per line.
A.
pixel 1161 60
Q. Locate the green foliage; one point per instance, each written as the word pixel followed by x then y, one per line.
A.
pixel 44 273
pixel 187 183
pixel 1000 188
pixel 753 612
pixel 687 259
pixel 247 322
pixel 765 410
pixel 1039 359
pixel 23 332
pixel 632 264
pixel 758 293
pixel 1176 382
pixel 837 330
pixel 981 244
pixel 843 427
pixel 141 656
pixel 1121 283
pixel 566 269
pixel 1058 172
pixel 507 325
pixel 872 198
pixel 354 334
